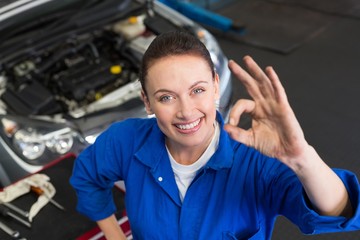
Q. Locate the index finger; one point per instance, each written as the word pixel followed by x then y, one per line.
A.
pixel 245 78
pixel 240 107
pixel 256 81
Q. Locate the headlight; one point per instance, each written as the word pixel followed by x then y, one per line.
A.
pixel 37 141
pixel 60 144
pixel 32 144
pixel 28 143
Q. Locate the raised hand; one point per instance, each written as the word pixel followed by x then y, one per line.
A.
pixel 275 130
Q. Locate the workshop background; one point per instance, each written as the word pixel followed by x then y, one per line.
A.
pixel 314 48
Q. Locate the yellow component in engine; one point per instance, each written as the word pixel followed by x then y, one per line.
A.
pixel 98 96
pixel 116 69
pixel 132 20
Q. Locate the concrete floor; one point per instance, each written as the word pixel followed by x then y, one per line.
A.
pixel 322 81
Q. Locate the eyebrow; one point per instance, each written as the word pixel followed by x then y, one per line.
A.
pixel 192 86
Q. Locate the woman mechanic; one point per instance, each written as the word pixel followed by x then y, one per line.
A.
pixel 189 175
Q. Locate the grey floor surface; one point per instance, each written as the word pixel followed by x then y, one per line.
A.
pixel 322 81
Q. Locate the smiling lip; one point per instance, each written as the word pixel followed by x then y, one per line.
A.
pixel 189 127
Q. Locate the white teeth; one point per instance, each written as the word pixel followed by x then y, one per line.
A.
pixel 189 126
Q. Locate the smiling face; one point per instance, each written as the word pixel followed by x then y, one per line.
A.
pixel 181 92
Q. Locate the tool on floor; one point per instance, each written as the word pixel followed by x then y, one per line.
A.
pixel 6 212
pixel 9 231
pixel 16 209
pixel 39 191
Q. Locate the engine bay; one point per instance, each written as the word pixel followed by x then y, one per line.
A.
pixel 82 74
pixel 69 75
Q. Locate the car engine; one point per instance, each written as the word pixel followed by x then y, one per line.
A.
pixel 69 76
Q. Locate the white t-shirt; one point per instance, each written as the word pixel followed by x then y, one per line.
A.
pixel 184 174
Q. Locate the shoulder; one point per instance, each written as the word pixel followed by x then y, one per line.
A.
pixel 132 126
pixel 128 130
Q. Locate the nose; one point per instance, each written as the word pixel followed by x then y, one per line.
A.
pixel 186 108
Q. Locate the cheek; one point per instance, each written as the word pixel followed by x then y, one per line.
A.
pixel 208 102
pixel 163 113
pixel 164 119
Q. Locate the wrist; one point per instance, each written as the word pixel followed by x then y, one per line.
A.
pixel 306 163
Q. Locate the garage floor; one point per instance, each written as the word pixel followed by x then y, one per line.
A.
pixel 321 74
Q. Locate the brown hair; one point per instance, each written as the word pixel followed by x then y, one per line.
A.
pixel 170 44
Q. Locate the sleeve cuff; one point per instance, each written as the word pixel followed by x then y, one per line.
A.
pixel 314 223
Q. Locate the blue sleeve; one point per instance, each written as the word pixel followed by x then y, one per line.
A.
pixel 313 223
pixel 95 171
pixel 284 195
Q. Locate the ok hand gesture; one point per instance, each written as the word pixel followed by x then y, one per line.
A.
pixel 275 130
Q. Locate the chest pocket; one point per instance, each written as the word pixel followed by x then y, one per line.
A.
pixel 231 236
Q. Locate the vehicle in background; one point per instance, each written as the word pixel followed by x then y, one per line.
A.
pixel 68 69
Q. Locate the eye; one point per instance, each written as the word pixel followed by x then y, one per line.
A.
pixel 198 90
pixel 165 98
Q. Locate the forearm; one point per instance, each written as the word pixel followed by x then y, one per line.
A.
pixel 111 229
pixel 323 187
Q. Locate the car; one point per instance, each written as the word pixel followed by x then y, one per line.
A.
pixel 69 69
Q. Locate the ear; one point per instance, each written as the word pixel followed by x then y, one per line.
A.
pixel 217 86
pixel 146 103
